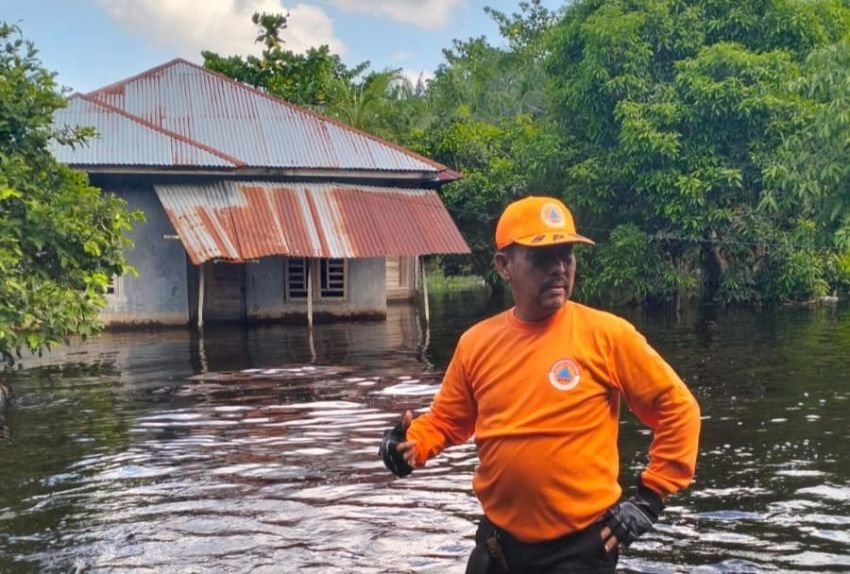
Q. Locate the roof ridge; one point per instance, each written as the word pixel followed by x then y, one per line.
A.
pixel 111 87
pixel 301 109
pixel 159 129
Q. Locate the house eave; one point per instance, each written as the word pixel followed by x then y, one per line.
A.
pixel 251 172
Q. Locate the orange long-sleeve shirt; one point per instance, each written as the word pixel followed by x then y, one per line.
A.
pixel 543 400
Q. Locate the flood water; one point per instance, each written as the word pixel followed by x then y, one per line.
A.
pixel 254 450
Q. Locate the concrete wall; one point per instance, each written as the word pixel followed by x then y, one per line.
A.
pixel 367 284
pixel 158 294
pixel 265 292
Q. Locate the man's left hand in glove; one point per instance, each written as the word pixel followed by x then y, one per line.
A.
pixel 627 520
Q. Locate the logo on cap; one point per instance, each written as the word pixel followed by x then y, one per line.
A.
pixel 565 375
pixel 552 216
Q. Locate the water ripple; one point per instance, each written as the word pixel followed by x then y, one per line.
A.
pixel 142 454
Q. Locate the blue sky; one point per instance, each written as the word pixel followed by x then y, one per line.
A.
pixel 92 43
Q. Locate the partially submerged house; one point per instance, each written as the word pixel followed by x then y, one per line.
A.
pixel 256 209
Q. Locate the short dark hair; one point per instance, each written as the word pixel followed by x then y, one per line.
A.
pixel 508 249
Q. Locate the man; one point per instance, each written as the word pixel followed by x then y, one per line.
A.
pixel 539 386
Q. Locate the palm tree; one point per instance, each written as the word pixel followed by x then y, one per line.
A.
pixel 374 104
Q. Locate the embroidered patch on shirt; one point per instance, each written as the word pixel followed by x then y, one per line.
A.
pixel 565 375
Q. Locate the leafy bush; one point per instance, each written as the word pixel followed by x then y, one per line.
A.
pixel 61 240
pixel 629 268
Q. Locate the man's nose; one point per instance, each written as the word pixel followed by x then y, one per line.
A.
pixel 557 265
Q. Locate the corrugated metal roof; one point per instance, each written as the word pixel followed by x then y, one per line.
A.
pixel 124 140
pixel 239 221
pixel 245 123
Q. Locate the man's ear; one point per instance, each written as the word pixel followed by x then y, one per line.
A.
pixel 500 262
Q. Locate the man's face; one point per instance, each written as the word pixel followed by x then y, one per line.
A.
pixel 541 278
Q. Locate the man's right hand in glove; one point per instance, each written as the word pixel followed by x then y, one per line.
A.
pixel 397 452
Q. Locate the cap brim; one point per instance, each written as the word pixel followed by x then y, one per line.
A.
pixel 543 239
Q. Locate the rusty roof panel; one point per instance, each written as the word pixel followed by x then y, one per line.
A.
pixel 201 217
pixel 239 221
pixel 124 140
pixel 245 123
pixel 259 229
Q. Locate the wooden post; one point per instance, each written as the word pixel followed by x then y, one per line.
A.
pixel 309 265
pixel 425 291
pixel 201 296
pixel 312 345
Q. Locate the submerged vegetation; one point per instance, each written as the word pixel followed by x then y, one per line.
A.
pixel 439 282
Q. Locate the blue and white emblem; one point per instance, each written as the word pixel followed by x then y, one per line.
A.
pixel 552 215
pixel 565 375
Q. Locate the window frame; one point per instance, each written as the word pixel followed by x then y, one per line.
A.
pixel 288 279
pixel 321 274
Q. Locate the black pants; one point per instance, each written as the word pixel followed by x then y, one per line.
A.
pixel 577 553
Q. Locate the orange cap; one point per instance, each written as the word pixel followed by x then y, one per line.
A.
pixel 537 221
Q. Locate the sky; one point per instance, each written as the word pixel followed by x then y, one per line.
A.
pixel 93 43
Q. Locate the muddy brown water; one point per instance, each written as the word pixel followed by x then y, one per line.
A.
pixel 254 450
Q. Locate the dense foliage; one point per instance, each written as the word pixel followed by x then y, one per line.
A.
pixel 61 240
pixel 703 143
pixel 493 128
pixel 676 111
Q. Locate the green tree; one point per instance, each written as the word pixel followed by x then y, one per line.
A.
pixel 493 83
pixel 673 111
pixel 307 79
pixel 373 103
pixel 808 180
pixel 61 240
pixel 499 162
pixel 485 114
pixel 628 268
pixel 811 172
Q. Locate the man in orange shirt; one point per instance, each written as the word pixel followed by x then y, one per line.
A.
pixel 540 386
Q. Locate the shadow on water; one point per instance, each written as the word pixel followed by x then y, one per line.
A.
pixel 254 450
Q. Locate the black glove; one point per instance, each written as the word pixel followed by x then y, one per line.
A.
pixel 388 451
pixel 631 518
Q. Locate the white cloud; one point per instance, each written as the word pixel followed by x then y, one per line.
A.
pixel 222 26
pixel 415 75
pixel 424 13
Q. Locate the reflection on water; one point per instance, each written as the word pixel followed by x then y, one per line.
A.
pixel 254 450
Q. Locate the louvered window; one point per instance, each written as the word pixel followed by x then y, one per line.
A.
pixel 296 278
pixel 332 278
pixel 331 274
